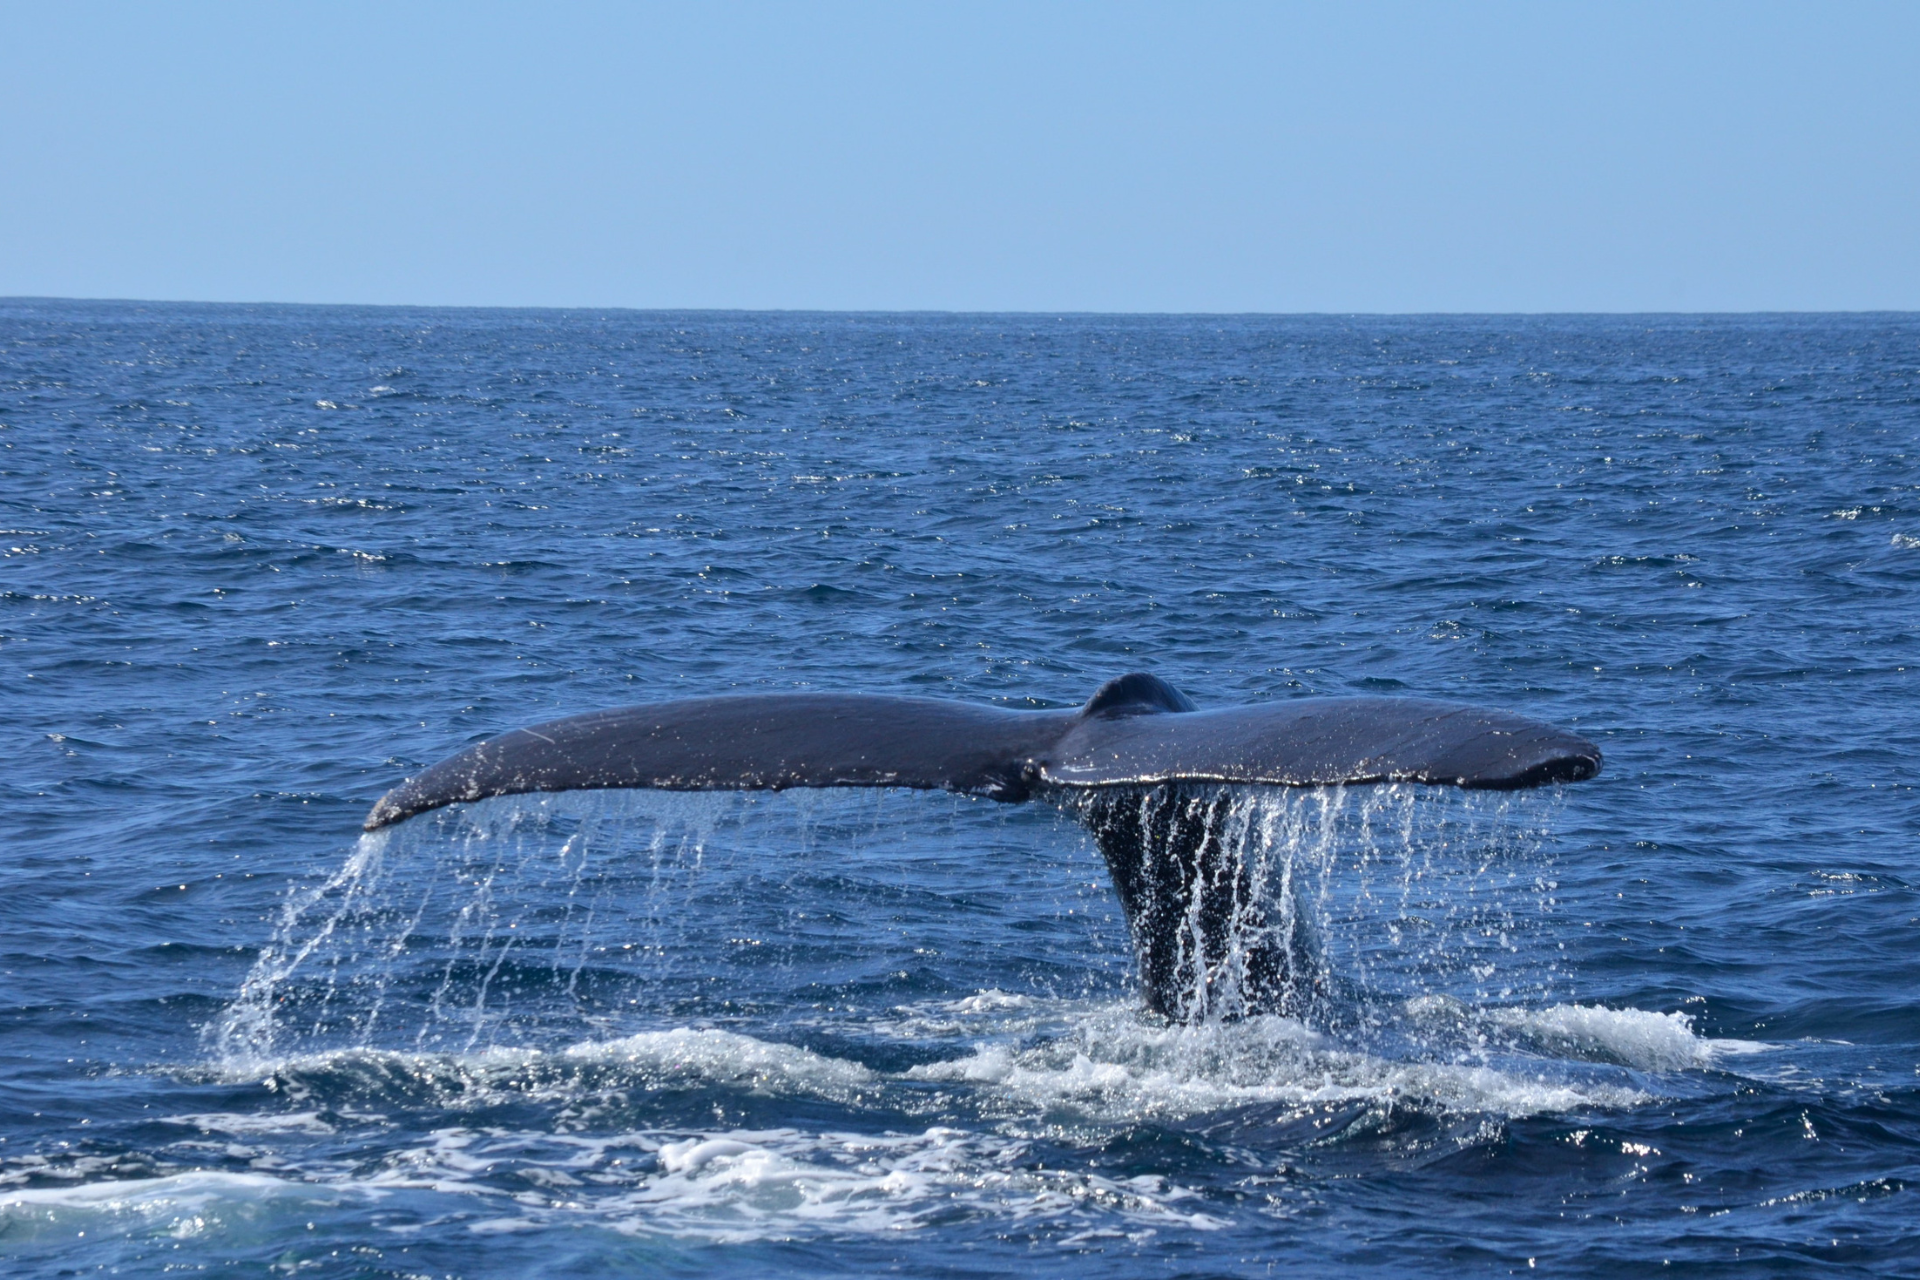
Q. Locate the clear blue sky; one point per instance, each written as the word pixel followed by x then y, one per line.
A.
pixel 1026 156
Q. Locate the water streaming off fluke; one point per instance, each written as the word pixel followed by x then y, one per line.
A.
pixel 531 923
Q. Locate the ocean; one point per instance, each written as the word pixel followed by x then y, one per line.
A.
pixel 263 562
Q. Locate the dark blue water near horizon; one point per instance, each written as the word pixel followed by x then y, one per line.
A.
pixel 261 562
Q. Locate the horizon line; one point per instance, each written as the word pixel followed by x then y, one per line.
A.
pixel 1064 313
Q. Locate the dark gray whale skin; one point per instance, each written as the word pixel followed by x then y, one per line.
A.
pixel 1137 730
pixel 1142 766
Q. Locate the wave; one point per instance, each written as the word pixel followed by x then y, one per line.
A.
pixel 723 1186
pixel 180 1206
pixel 608 1150
pixel 1633 1038
pixel 1105 1062
pixel 1116 1067
pixel 678 1057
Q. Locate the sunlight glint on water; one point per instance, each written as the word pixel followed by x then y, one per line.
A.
pixel 265 561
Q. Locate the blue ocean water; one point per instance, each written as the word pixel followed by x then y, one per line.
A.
pixel 262 562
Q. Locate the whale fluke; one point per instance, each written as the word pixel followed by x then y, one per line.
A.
pixel 1137 730
pixel 1139 763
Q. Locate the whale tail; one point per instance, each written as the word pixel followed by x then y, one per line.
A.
pixel 1136 730
pixel 1147 771
pixel 1212 939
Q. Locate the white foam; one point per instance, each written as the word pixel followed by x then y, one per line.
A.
pixel 1117 1067
pixel 1635 1038
pixel 304 1122
pixel 727 1056
pixel 181 1205
pixel 736 1186
pixel 148 1195
pixel 1096 1067
pixel 645 1059
pixel 985 1013
pixel 991 1001
pixel 1106 1063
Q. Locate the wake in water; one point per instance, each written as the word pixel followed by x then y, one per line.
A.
pixel 617 1010
pixel 1414 921
pixel 586 1008
pixel 657 1134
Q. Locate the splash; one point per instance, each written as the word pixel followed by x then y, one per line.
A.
pixel 472 928
pixel 1251 900
pixel 549 920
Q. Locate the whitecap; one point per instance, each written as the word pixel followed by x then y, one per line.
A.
pixel 681 1055
pixel 1119 1067
pixel 240 1123
pixel 181 1205
pixel 1636 1038
pixel 726 1056
pixel 736 1186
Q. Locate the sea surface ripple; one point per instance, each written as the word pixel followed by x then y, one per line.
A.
pixel 260 562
